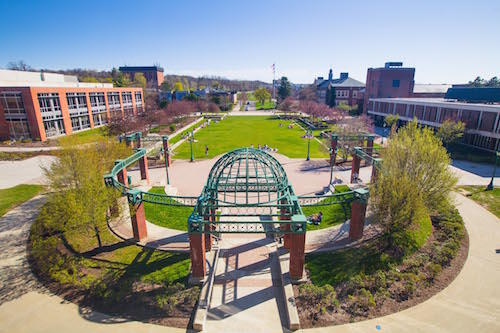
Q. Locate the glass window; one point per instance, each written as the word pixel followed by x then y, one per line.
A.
pixel 395 83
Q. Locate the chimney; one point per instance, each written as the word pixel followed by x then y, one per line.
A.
pixel 330 75
pixel 344 76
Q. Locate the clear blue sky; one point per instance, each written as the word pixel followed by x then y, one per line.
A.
pixel 447 41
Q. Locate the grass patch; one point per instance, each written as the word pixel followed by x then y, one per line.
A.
pixel 243 131
pixel 332 214
pixel 268 105
pixel 14 196
pixel 118 278
pixel 172 217
pixel 86 136
pixel 179 136
pixel 339 266
pixel 19 156
pixel 488 199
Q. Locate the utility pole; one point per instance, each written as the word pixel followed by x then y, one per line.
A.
pixel 490 185
pixel 274 80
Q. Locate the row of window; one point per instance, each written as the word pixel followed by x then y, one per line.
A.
pixel 476 120
pixel 50 107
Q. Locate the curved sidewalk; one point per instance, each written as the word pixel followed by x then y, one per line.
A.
pixel 471 303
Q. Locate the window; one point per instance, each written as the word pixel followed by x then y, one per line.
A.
pixel 12 103
pixel 395 83
pixel 77 103
pixel 18 129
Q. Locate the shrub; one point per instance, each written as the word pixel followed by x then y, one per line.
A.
pixel 172 127
pixel 319 297
pixel 361 302
pixel 433 270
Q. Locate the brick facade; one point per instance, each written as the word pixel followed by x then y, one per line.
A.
pixel 31 98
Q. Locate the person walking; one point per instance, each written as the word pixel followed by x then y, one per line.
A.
pixel 206 150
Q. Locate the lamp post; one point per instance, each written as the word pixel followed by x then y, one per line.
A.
pixel 383 133
pixel 191 142
pixel 166 153
pixel 332 165
pixel 490 185
pixel 308 144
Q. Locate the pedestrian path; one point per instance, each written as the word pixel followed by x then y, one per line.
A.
pixel 247 294
pixel 471 303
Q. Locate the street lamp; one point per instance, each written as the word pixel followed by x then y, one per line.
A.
pixel 383 132
pixel 490 185
pixel 332 164
pixel 191 142
pixel 166 152
pixel 308 143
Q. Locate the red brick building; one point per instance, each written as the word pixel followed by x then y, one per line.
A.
pixel 482 121
pixel 348 91
pixel 392 80
pixel 153 74
pixel 38 106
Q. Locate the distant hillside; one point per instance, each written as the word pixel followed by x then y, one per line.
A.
pixel 188 82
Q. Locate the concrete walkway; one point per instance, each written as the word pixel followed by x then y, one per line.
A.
pixel 247 295
pixel 471 303
pixel 28 171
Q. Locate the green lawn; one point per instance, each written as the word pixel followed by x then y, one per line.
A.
pixel 332 214
pixel 86 136
pixel 243 131
pixel 14 196
pixel 178 137
pixel 173 217
pixel 266 106
pixel 334 267
pixel 488 199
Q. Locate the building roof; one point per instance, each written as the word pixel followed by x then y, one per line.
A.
pixel 342 82
pixel 13 78
pixel 140 68
pixel 440 102
pixel 475 94
pixel 431 88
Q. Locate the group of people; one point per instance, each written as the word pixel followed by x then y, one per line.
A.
pixel 265 148
pixel 315 218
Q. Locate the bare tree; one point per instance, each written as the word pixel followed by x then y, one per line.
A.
pixel 19 66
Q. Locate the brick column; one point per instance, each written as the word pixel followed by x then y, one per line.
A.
pixel 355 166
pixel 89 109
pixel 333 154
pixel 138 217
pixel 369 148
pixel 197 253
pixel 122 176
pixel 143 165
pixel 297 255
pixel 285 227
pixel 357 223
pixel 208 238
pixel 138 138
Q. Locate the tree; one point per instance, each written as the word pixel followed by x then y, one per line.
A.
pixel 178 86
pixel 19 66
pixel 349 126
pixel 121 80
pixel 450 131
pixel 285 88
pixel 391 121
pixel 89 79
pixel 139 80
pixel 330 97
pixel 414 175
pixel 480 82
pixel 288 105
pixel 243 97
pixel 308 93
pixel 166 86
pixel 190 97
pixel 262 94
pixel 81 200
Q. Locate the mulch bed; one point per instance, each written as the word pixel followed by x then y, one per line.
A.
pixel 389 306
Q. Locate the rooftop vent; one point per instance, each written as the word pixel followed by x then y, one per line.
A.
pixel 344 76
pixel 391 64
